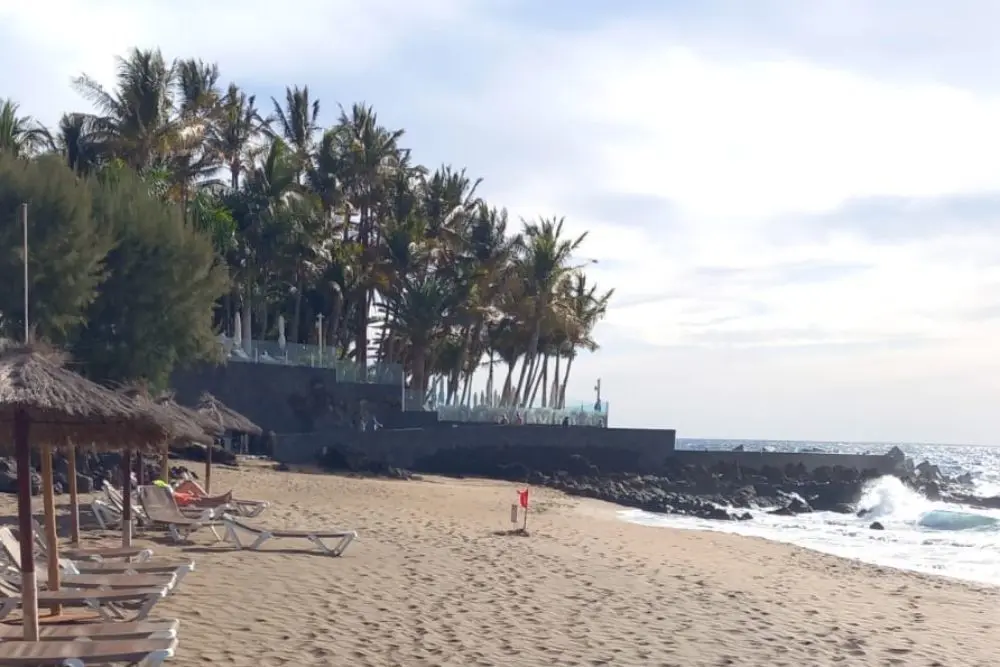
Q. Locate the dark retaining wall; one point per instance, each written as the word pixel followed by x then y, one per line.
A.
pixel 458 450
pixel 289 399
pixel 610 449
pixel 756 460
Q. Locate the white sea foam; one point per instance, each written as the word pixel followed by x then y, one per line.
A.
pixel 920 535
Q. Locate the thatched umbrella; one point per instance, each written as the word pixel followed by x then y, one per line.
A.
pixel 50 406
pixel 209 427
pixel 229 420
pixel 179 427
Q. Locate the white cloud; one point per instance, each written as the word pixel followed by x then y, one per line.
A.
pixel 53 41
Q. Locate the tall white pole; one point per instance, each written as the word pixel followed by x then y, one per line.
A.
pixel 24 225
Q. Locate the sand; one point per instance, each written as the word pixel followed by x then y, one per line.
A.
pixel 429 582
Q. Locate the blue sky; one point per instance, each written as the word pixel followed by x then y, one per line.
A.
pixel 797 203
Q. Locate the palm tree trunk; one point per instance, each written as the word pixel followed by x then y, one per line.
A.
pixel 489 383
pixel 520 380
pixel 534 372
pixel 505 393
pixel 335 312
pixel 532 353
pixel 562 392
pixel 297 316
pixel 541 375
pixel 361 334
pixel 554 399
pixel 419 380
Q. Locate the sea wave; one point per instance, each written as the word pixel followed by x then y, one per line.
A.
pixel 917 534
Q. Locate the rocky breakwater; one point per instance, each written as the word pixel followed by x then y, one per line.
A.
pixel 928 480
pixel 711 487
pixel 93 469
pixel 731 492
pixel 721 491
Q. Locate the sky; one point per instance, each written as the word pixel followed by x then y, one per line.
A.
pixel 797 203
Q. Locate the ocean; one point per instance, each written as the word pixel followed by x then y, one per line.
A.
pixel 931 537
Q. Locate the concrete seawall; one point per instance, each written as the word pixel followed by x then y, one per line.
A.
pixel 610 449
pixel 545 448
pixel 809 460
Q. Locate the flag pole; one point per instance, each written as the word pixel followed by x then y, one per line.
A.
pixel 526 504
pixel 24 226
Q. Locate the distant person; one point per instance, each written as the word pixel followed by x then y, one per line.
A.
pixel 518 419
pixel 565 421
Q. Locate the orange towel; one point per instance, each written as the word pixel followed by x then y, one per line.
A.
pixel 184 498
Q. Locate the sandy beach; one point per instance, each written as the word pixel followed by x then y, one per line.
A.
pixel 431 582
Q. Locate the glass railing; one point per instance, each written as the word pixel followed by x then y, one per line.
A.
pixel 298 354
pixel 581 415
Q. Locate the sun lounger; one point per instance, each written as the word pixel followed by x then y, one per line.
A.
pixel 11 548
pixel 243 507
pixel 117 502
pixel 113 556
pixel 166 629
pixel 77 653
pixel 261 535
pixel 129 604
pixel 105 513
pixel 160 508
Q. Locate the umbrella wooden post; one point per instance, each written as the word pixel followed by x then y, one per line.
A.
pixel 165 465
pixel 208 468
pixel 51 537
pixel 74 498
pixel 127 498
pixel 29 585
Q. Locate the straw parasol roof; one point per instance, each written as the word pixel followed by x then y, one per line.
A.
pixel 179 427
pixel 65 408
pixel 202 421
pixel 229 419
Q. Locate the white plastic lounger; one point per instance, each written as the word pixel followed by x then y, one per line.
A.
pixel 11 548
pixel 116 500
pixel 161 508
pixel 91 556
pixel 133 604
pixel 82 653
pixel 105 513
pixel 235 526
pixel 166 629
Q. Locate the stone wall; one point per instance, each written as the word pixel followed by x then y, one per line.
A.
pixel 468 449
pixel 809 460
pixel 288 399
pixel 447 448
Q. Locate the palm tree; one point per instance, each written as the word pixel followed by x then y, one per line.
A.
pixel 421 310
pixel 234 133
pixel 586 307
pixel 297 123
pixel 370 157
pixel 20 136
pixel 75 141
pixel 136 121
pixel 543 265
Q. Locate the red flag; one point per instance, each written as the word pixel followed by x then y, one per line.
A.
pixel 522 498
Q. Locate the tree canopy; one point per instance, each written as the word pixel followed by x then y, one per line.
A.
pixel 177 202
